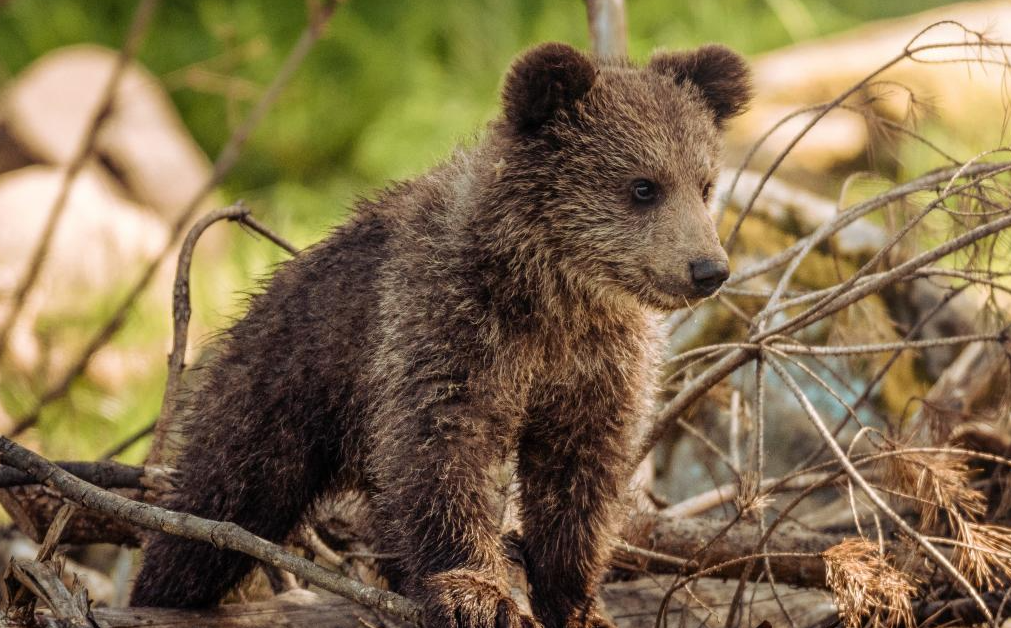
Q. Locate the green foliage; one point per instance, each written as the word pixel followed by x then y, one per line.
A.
pixel 393 85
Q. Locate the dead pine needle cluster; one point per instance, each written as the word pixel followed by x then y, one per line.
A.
pixel 938 488
pixel 867 589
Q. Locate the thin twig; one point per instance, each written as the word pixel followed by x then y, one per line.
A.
pixel 128 442
pixel 250 221
pixel 181 311
pixel 842 298
pixel 885 347
pixel 909 52
pixel 850 215
pixel 705 501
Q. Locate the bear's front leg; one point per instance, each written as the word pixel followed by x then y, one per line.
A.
pixel 435 504
pixel 572 469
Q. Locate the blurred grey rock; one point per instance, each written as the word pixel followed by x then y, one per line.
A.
pixel 102 240
pixel 49 107
pixel 813 72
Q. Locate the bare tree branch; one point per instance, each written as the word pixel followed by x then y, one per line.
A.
pixel 221 534
pixel 181 311
pixel 106 474
pixel 608 32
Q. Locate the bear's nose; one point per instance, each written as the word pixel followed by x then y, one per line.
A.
pixel 708 275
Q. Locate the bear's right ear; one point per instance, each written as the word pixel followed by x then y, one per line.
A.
pixel 545 80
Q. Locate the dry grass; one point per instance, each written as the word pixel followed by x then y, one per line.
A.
pixel 866 587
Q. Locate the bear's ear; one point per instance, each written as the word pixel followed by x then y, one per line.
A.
pixel 545 80
pixel 719 72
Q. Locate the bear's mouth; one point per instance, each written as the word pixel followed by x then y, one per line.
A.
pixel 665 295
pixel 671 294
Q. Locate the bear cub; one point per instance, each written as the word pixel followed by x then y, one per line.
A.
pixel 503 305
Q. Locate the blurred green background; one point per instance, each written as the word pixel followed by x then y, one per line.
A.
pixel 387 92
pixel 393 85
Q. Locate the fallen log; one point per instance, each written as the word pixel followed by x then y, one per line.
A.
pixel 33 508
pixel 687 537
pixel 104 473
pixel 294 609
pixel 632 604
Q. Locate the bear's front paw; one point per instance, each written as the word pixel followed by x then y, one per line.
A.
pixel 464 598
pixel 591 619
pixel 586 616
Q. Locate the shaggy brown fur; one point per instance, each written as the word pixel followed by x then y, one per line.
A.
pixel 504 303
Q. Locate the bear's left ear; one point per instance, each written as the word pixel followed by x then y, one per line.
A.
pixel 719 72
pixel 544 81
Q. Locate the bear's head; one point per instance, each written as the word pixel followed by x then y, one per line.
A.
pixel 619 164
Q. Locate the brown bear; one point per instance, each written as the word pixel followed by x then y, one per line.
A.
pixel 503 304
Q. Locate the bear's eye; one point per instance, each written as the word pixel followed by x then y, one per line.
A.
pixel 707 191
pixel 644 191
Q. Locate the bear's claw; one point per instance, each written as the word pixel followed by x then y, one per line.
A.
pixel 464 598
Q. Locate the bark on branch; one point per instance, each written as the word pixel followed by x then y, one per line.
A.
pixel 224 535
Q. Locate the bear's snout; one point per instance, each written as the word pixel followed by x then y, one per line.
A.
pixel 708 275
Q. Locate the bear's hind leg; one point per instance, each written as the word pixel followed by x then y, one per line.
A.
pixel 250 475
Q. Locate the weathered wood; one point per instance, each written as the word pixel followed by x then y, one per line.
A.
pixel 70 609
pixel 962 387
pixel 685 537
pixel 33 508
pixel 101 589
pixel 295 609
pixel 634 604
